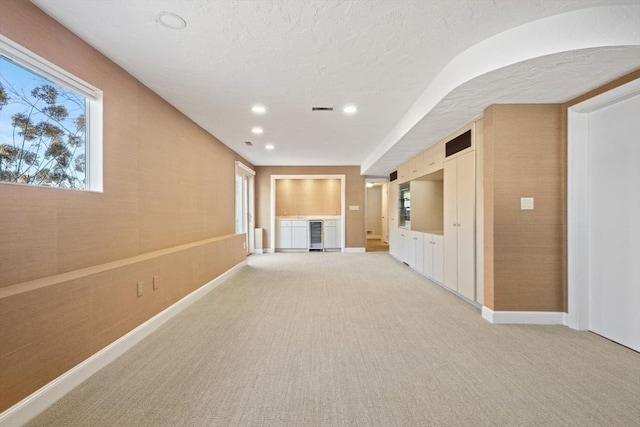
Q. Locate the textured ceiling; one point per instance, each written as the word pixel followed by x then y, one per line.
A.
pixel 291 55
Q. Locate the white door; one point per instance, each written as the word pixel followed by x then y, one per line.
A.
pixel 385 221
pixel 467 225
pixel 451 224
pixel 614 221
pixel 244 218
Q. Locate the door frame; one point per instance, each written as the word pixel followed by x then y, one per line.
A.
pixel 248 203
pixel 577 200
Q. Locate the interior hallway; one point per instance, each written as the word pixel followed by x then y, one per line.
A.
pixel 377 245
pixel 334 339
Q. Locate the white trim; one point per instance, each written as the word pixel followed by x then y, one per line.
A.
pixel 32 405
pixel 94 117
pixel 343 198
pixel 354 250
pixel 259 252
pixel 51 71
pixel 245 168
pixel 578 200
pixel 524 317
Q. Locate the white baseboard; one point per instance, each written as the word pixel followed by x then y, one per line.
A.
pixel 355 250
pixel 524 317
pixel 269 251
pixel 32 405
pixel 258 252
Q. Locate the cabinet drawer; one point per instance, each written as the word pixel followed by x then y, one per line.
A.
pixel 284 222
pixel 298 223
pixel 330 223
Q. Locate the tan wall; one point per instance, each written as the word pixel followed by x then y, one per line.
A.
pixel 427 205
pixel 355 231
pixel 306 197
pixel 374 210
pixel 523 250
pixel 166 183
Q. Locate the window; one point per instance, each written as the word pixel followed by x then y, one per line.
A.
pixel 50 124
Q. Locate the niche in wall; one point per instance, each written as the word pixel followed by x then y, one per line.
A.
pixel 427 203
pixel 308 197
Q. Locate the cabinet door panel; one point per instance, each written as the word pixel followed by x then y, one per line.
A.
pixel 284 238
pixel 437 156
pixel 450 224
pixel 438 259
pixel 419 252
pixel 466 229
pixel 299 238
pixel 428 255
pixel 330 240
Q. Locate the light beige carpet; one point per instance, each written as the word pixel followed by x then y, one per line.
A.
pixel 331 339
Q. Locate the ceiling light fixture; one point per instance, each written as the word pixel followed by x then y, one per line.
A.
pixel 171 20
pixel 269 147
pixel 257 130
pixel 350 109
pixel 258 109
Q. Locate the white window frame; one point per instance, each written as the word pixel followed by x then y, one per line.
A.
pixel 93 139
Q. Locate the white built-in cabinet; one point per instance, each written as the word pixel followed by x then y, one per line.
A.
pixel 292 234
pixel 332 234
pixel 459 224
pixel 441 248
pixel 434 257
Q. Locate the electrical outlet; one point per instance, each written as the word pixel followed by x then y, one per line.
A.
pixel 156 282
pixel 526 203
pixel 140 288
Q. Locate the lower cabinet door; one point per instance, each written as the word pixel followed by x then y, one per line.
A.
pixel 299 238
pixel 330 238
pixel 428 255
pixel 438 258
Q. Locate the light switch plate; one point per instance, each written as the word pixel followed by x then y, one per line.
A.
pixel 526 203
pixel 354 207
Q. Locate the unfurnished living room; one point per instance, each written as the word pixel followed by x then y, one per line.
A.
pixel 319 213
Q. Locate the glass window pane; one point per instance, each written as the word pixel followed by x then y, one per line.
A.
pixel 42 130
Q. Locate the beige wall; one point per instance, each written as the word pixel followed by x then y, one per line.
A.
pixel 306 197
pixel 354 230
pixel 374 210
pixel 427 205
pixel 167 209
pixel 523 250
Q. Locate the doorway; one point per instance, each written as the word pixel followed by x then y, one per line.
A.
pixel 245 207
pixel 376 215
pixel 604 215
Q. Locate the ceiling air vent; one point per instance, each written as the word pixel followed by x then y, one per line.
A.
pixel 321 108
pixel 249 143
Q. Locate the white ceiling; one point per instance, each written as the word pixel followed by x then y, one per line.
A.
pixel 390 58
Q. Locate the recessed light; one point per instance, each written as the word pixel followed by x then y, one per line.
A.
pixel 258 109
pixel 350 109
pixel 269 147
pixel 257 130
pixel 171 20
